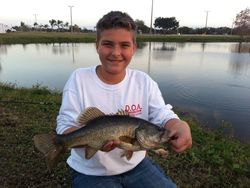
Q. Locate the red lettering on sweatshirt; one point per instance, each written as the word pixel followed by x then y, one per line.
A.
pixel 133 109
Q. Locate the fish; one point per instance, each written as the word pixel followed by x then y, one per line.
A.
pixel 97 128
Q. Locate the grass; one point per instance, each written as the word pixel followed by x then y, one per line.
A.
pixel 58 37
pixel 214 160
pixel 44 37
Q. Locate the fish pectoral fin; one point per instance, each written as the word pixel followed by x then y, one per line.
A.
pixel 162 152
pixel 129 146
pixel 129 143
pixel 128 154
pixel 129 149
pixel 90 152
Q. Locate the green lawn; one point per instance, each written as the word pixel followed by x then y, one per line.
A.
pixel 214 160
pixel 58 37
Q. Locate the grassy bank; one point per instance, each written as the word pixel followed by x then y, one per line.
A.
pixel 57 37
pixel 214 160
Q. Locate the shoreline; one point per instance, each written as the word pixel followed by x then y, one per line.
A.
pixel 60 37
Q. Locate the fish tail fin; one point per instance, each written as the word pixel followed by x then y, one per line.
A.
pixel 46 143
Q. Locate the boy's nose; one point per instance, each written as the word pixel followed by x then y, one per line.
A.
pixel 116 51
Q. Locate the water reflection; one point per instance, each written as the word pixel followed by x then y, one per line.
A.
pixel 3 51
pixel 73 52
pixel 181 44
pixel 166 46
pixel 203 46
pixel 210 80
pixel 239 64
pixel 241 48
pixel 239 58
pixel 141 45
pixel 164 50
pixel 149 58
pixel 37 47
pixel 69 48
pixel 59 49
pixel 24 47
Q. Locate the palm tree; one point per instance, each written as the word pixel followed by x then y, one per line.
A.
pixel 59 24
pixel 52 23
pixel 66 25
pixel 46 26
pixel 35 26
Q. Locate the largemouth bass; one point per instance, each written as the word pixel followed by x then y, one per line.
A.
pixel 133 134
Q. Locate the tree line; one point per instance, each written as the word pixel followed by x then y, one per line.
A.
pixel 54 25
pixel 171 26
pixel 168 25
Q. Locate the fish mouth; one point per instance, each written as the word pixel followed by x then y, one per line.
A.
pixel 164 136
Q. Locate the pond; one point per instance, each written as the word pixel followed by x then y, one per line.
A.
pixel 210 80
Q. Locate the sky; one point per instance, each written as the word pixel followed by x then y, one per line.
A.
pixel 191 13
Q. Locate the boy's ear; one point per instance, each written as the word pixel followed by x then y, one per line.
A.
pixel 96 46
pixel 135 47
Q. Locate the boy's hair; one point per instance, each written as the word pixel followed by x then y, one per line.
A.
pixel 116 20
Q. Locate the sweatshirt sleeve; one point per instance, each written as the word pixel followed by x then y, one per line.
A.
pixel 159 112
pixel 70 107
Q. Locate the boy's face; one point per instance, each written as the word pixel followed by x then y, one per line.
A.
pixel 115 49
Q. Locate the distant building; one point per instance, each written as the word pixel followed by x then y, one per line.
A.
pixel 4 28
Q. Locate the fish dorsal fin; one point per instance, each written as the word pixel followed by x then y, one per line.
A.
pixel 89 114
pixel 122 113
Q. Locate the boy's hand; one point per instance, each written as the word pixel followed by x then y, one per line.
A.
pixel 180 134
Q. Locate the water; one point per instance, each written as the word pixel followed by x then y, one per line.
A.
pixel 211 80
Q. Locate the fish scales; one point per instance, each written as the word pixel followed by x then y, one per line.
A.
pixel 102 129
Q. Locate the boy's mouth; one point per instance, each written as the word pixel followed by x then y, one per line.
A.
pixel 115 60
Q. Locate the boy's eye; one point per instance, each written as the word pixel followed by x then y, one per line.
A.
pixel 125 45
pixel 107 44
pixel 110 44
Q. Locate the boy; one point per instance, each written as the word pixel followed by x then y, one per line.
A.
pixel 109 87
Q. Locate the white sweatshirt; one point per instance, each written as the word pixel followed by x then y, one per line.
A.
pixel 137 93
